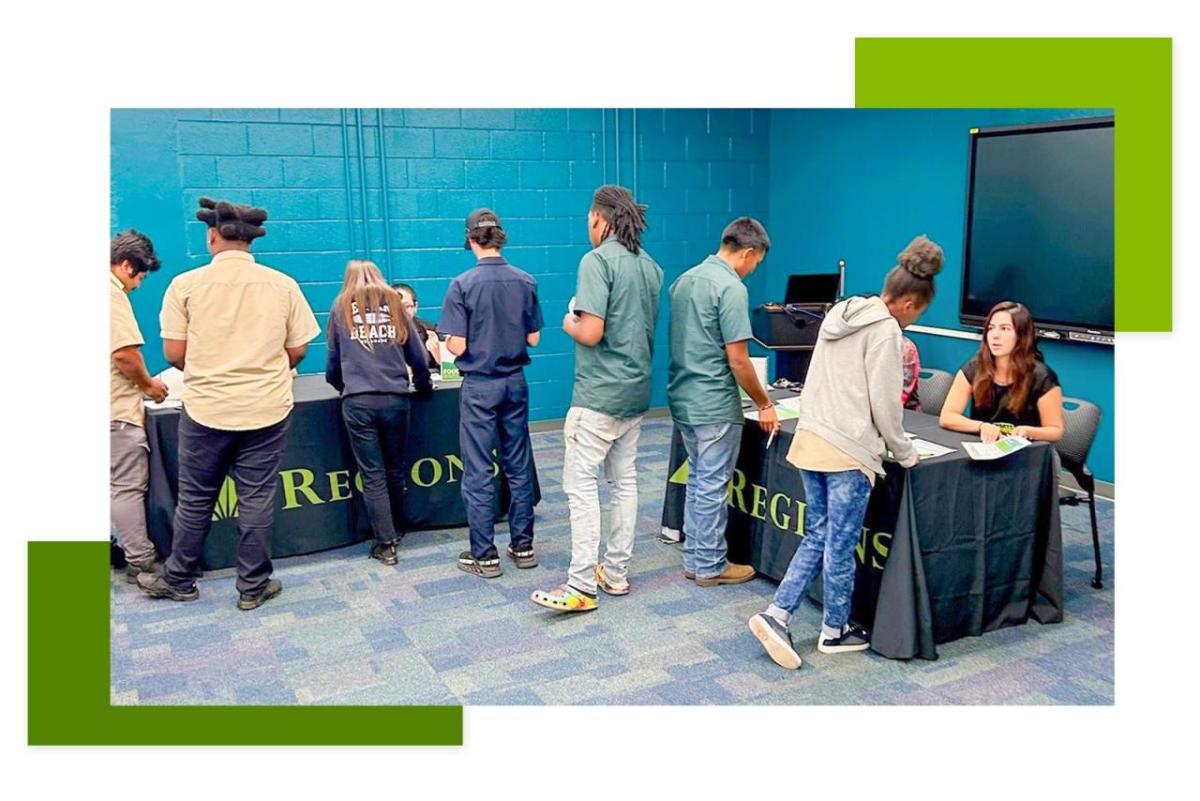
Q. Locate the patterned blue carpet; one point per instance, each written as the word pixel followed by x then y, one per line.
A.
pixel 348 630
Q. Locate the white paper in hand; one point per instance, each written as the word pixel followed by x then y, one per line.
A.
pixel 571 305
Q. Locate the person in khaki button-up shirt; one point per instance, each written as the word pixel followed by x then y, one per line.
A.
pixel 125 342
pixel 236 328
pixel 132 258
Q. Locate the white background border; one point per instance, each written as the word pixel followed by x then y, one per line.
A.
pixel 65 67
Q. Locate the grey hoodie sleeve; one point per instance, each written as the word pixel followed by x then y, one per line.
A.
pixel 884 382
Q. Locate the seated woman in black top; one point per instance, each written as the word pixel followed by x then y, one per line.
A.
pixel 1006 383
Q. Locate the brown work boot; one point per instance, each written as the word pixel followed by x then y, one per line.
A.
pixel 733 574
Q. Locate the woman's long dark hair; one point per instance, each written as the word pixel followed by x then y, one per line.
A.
pixel 1022 360
pixel 623 216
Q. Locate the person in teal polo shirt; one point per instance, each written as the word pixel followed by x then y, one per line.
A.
pixel 710 326
pixel 612 322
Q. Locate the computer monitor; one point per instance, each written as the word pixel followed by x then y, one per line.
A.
pixel 812 288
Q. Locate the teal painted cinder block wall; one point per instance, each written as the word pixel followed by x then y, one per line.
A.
pixel 421 172
pixel 859 184
pixel 829 184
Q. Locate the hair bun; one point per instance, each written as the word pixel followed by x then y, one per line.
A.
pixel 922 258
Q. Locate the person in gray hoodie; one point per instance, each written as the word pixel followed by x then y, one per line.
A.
pixel 850 416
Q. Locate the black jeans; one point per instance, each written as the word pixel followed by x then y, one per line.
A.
pixel 251 458
pixel 378 427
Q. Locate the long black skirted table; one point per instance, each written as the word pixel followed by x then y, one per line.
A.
pixel 949 548
pixel 319 501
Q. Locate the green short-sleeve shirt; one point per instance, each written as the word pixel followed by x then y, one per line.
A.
pixel 623 288
pixel 709 309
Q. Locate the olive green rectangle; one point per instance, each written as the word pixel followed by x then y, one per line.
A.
pixel 69 681
pixel 1132 76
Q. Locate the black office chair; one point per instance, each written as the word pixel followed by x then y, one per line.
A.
pixel 1080 421
pixel 933 386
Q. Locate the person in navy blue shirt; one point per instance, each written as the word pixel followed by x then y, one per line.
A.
pixel 491 317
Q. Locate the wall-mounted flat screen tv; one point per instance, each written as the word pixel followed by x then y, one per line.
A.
pixel 1040 226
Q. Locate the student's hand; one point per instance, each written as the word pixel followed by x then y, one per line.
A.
pixel 570 320
pixel 431 340
pixel 989 433
pixel 156 390
pixel 768 420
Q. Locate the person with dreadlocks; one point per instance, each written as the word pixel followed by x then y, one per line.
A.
pixel 236 328
pixel 612 322
pixel 372 346
pixel 710 328
pixel 491 317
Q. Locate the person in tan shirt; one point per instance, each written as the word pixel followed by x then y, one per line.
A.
pixel 236 328
pixel 131 259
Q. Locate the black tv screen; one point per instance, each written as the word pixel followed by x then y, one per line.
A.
pixel 1040 223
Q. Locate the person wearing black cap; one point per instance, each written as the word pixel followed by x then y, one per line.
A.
pixel 491 317
pixel 236 328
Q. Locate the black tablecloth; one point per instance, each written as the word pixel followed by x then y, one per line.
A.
pixel 950 548
pixel 319 503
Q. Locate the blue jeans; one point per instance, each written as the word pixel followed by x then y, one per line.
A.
pixel 494 416
pixel 377 423
pixel 835 505
pixel 712 452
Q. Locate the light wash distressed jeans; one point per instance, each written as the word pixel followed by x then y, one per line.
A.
pixel 712 452
pixel 835 506
pixel 595 440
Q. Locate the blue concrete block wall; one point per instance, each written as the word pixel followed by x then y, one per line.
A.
pixel 403 200
pixel 858 184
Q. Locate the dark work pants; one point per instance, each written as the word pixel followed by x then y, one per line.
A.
pixel 252 459
pixel 378 427
pixel 494 416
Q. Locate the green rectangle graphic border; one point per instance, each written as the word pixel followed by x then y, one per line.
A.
pixel 1132 76
pixel 69 636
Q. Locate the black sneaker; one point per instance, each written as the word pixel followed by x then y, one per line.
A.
pixel 385 552
pixel 488 567
pixel 155 585
pixel 775 638
pixel 525 559
pixel 253 600
pixel 854 638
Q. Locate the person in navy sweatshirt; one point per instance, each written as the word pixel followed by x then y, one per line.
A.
pixel 373 347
